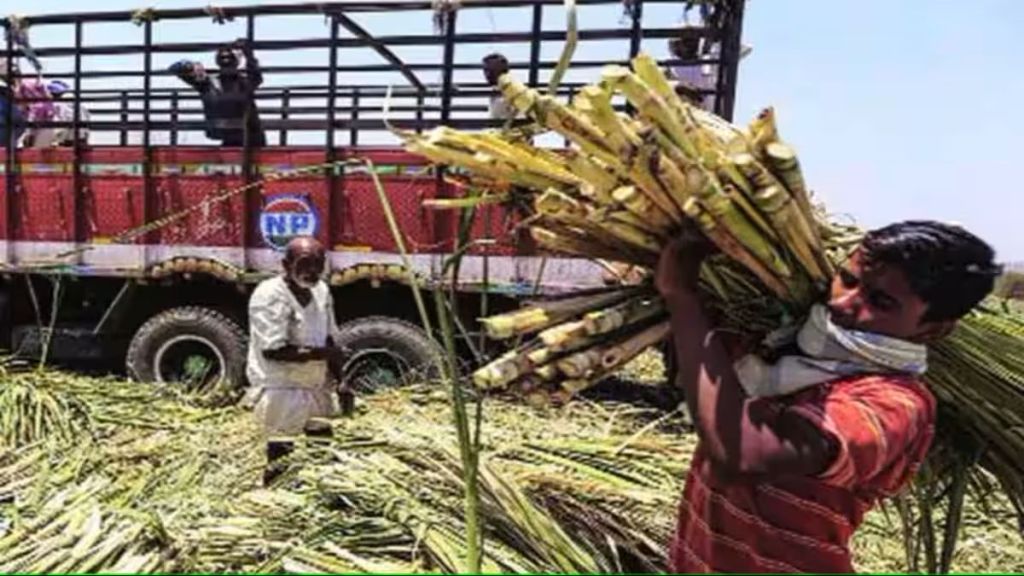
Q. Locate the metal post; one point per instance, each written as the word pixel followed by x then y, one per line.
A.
pixel 637 32
pixel 247 149
pixel 354 137
pixel 443 218
pixel 286 101
pixel 635 36
pixel 332 90
pixel 78 190
pixel 538 14
pixel 11 159
pixel 174 118
pixel 725 100
pixel 447 72
pixel 332 113
pixel 124 118
pixel 251 195
pixel 148 200
pixel 420 103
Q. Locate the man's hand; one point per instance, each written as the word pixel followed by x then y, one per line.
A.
pixel 679 265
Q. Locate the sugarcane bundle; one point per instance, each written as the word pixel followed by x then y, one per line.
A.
pixel 75 532
pixel 193 265
pixel 31 410
pixel 620 193
pixel 375 273
pixel 622 190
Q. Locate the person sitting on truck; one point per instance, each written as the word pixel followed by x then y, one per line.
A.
pixel 8 107
pixel 64 111
pixel 292 353
pixel 495 66
pixel 694 79
pixel 792 453
pixel 229 102
pixel 33 98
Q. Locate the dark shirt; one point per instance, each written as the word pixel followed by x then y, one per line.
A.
pixel 17 117
pixel 230 106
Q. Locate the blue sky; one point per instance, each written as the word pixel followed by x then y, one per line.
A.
pixel 899 109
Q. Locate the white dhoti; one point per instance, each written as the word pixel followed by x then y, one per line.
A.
pixel 286 412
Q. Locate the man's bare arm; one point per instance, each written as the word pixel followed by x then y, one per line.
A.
pixel 740 434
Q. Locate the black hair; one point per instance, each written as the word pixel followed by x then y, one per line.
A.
pixel 495 65
pixel 497 58
pixel 949 268
pixel 685 47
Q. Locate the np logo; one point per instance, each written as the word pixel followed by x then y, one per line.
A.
pixel 286 216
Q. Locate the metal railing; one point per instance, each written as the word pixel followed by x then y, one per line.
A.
pixel 305 113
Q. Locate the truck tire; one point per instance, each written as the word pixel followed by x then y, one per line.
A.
pixel 386 353
pixel 198 347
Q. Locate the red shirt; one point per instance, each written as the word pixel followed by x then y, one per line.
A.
pixel 882 427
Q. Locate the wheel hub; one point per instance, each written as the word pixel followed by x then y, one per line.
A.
pixel 190 360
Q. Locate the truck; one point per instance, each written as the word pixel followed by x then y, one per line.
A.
pixel 138 245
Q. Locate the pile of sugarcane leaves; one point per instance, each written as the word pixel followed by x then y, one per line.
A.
pixel 101 475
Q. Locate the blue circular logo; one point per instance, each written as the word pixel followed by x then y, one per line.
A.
pixel 285 217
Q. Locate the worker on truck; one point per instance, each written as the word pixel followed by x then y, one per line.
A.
pixel 498 108
pixel 292 354
pixel 9 108
pixel 229 102
pixel 694 79
pixel 792 454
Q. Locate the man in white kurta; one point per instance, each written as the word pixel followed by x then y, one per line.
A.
pixel 292 351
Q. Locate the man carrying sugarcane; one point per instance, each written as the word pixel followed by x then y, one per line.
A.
pixel 293 354
pixel 793 453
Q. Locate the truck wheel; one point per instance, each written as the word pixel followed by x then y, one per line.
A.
pixel 386 353
pixel 197 347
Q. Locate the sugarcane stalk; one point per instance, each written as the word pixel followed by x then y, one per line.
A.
pixel 725 241
pixel 595 102
pixel 787 220
pixel 556 337
pixel 630 312
pixel 649 225
pixel 543 314
pixel 784 163
pixel 762 131
pixel 641 206
pixel 562 240
pixel 598 180
pixel 653 108
pixel 619 354
pixel 468 445
pixel 726 213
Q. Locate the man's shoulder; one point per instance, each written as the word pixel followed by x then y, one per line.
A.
pixel 875 398
pixel 268 289
pixel 882 384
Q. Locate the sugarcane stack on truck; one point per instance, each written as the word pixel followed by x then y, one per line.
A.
pixel 140 246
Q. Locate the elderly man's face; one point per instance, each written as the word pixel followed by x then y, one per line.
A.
pixel 305 270
pixel 304 262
